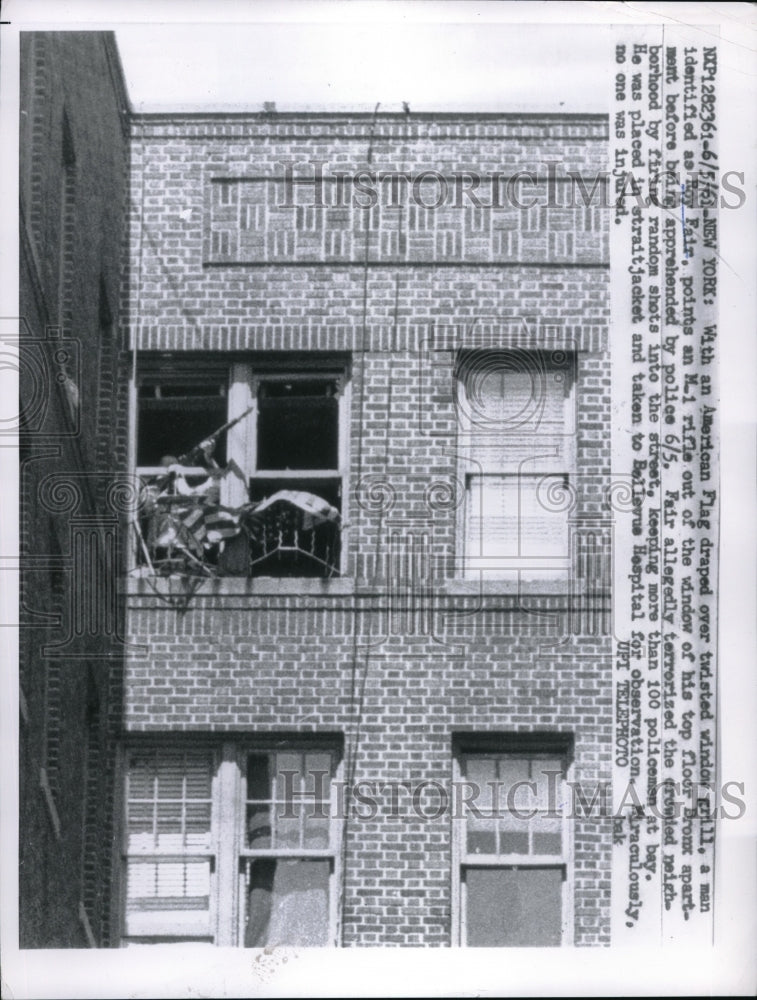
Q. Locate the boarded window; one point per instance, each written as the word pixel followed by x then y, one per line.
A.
pixel 515 907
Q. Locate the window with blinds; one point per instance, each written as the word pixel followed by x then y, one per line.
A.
pixel 235 846
pixel 517 431
pixel 513 849
pixel 169 855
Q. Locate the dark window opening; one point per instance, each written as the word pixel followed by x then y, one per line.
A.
pixel 174 419
pixel 298 424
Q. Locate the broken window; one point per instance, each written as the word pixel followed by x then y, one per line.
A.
pixel 234 845
pixel 513 847
pixel 243 467
pixel 517 446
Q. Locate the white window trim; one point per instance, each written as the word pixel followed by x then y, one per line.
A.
pixel 462 860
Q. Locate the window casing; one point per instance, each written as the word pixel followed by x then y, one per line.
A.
pixel 512 866
pixel 234 845
pixel 289 448
pixel 516 413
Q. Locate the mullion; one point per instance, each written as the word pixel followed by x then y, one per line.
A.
pixel 301 797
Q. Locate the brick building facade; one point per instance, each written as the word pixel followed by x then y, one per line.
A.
pixel 73 188
pixel 406 598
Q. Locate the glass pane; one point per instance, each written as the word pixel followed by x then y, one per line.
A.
pixel 197 826
pixel 171 778
pixel 316 781
pixel 481 836
pixel 513 771
pixel 513 908
pixel 141 880
pixel 288 903
pixel 514 841
pixel 258 826
pixel 168 900
pixel 288 775
pixel 198 777
pixel 542 523
pixel 491 516
pixel 169 826
pixel 548 773
pixel 258 778
pixel 481 775
pixel 140 826
pixel 141 777
pixel 287 834
pixel 316 830
pixel 547 835
pixel 547 843
pixel 171 879
pixel 176 426
pixel 197 879
pixel 298 425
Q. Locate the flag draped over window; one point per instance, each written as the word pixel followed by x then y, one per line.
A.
pixel 190 515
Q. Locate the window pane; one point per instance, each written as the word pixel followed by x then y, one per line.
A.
pixel 259 826
pixel 142 776
pixel 316 834
pixel 515 908
pixel 317 782
pixel 512 516
pixel 169 900
pixel 288 775
pixel 197 826
pixel 198 776
pixel 547 835
pixel 514 841
pixel 548 773
pixel 287 903
pixel 287 830
pixel 178 422
pixel 258 777
pixel 516 790
pixel 481 836
pixel 170 837
pixel 141 836
pixel 481 774
pixel 298 425
pixel 518 392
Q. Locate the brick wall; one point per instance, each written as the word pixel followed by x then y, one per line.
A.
pixel 398 676
pixel 73 173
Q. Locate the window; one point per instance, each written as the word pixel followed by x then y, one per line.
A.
pixel 513 848
pixel 245 466
pixel 235 845
pixel 516 424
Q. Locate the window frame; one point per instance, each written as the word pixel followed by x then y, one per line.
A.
pixel 227 851
pixel 242 380
pixel 534 748
pixel 525 455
